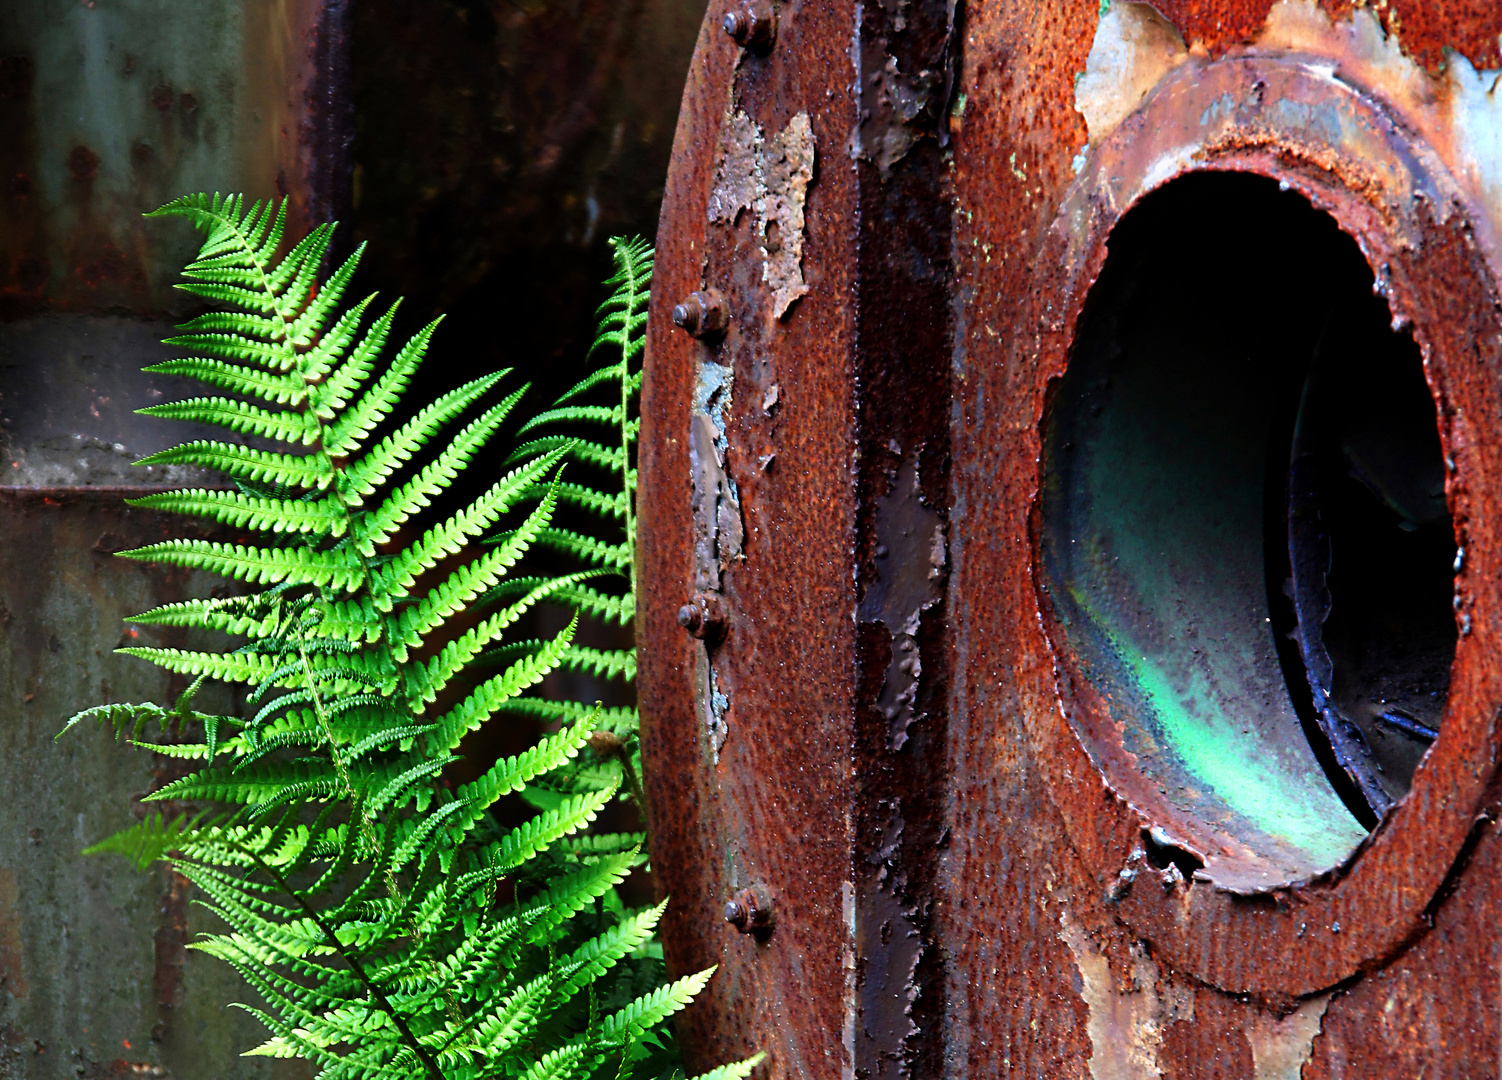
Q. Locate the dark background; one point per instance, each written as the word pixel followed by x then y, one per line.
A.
pixel 497 146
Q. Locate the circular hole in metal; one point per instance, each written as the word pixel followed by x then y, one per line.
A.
pixel 1247 557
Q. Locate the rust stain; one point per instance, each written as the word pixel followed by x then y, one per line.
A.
pixel 170 948
pixel 12 965
pixel 83 164
pixel 1433 30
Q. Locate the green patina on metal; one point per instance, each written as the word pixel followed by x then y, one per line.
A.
pixel 1253 779
pixel 1164 438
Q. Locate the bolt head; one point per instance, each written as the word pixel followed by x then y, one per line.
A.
pixel 750 911
pixel 605 742
pixel 687 315
pixel 690 617
pixel 753 24
pixel 703 313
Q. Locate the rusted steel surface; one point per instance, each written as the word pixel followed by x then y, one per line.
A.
pixel 94 976
pixel 786 820
pixel 1427 30
pixel 107 111
pixel 795 471
pixel 983 875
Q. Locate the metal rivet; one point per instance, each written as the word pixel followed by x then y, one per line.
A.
pixel 703 617
pixel 703 313
pixel 752 24
pixel 750 911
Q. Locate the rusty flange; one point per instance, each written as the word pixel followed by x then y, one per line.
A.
pixel 1289 120
pixel 1088 952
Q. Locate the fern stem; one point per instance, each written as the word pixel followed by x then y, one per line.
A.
pixel 250 249
pixel 628 494
pixel 323 722
pixel 429 1065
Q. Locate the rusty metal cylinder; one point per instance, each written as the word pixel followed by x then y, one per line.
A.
pixel 1096 469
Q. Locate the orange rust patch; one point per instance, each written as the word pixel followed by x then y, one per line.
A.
pixel 1426 28
pixel 12 970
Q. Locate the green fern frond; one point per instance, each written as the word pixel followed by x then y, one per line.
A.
pixel 652 1009
pixel 336 568
pixel 737 1070
pixel 270 387
pixel 598 663
pixel 511 773
pixel 362 894
pixel 491 695
pixel 148 841
pixel 619 720
pixel 120 718
pixel 323 516
pixel 240 417
pixel 366 475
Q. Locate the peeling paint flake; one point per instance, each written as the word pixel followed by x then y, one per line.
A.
pixel 1281 1048
pixel 1125 1023
pixel 736 169
pixel 789 168
pixel 1134 47
pixel 770 176
pixel 1476 114
pixel 718 529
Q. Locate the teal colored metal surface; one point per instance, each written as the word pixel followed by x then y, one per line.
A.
pixel 1163 444
pixel 108 109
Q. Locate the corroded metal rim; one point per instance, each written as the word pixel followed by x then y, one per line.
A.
pixel 1294 120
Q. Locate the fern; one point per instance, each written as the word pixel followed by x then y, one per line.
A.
pixel 390 925
pixel 595 424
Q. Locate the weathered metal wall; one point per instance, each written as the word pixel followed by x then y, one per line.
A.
pixel 890 731
pixel 107 111
pixel 487 150
pixel 795 477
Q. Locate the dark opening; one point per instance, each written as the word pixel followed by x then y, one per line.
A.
pixel 1371 551
pixel 1244 526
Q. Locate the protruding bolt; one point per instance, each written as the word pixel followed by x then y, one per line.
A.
pixel 703 314
pixel 750 911
pixel 753 24
pixel 703 617
pixel 605 743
